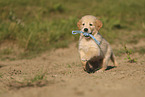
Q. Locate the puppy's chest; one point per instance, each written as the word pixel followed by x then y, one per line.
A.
pixel 88 46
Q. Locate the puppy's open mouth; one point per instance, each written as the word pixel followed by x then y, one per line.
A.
pixel 87 37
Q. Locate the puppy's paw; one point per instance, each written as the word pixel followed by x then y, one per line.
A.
pixel 116 65
pixel 101 70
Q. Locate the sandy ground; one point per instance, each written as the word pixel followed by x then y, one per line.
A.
pixel 64 77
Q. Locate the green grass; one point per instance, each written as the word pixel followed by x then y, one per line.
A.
pixel 1 75
pixel 37 26
pixel 38 78
pixel 128 53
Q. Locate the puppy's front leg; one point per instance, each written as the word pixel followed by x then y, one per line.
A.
pixel 84 64
pixel 83 61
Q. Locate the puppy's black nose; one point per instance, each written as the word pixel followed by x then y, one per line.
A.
pixel 86 29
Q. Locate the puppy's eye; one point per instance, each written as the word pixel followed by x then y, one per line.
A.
pixel 83 24
pixel 91 24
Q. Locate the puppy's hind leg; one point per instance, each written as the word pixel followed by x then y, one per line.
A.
pixel 113 59
pixel 104 64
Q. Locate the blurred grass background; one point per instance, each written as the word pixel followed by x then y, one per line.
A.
pixel 39 25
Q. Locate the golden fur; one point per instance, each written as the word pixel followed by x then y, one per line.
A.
pixel 94 56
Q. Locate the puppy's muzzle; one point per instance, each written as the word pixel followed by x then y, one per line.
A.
pixel 86 30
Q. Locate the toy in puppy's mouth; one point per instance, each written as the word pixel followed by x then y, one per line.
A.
pixel 87 36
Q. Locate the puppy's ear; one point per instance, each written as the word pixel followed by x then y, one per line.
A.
pixel 79 24
pixel 99 24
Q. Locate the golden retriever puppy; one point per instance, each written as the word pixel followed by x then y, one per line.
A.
pixel 94 56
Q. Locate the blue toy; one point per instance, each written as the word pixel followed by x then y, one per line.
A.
pixel 86 35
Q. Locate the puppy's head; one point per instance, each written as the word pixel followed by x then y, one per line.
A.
pixel 89 24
